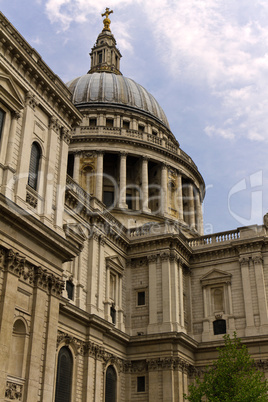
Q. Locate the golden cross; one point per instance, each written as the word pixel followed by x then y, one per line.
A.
pixel 107 12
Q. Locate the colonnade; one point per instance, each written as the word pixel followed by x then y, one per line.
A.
pixel 185 195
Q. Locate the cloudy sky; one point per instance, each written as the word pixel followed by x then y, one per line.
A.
pixel 205 61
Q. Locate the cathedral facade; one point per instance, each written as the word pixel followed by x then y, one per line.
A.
pixel 109 290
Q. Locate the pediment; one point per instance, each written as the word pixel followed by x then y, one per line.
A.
pixel 215 276
pixel 115 262
pixel 9 93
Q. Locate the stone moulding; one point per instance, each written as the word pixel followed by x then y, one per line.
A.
pixel 13 391
pixel 12 262
pixel 89 348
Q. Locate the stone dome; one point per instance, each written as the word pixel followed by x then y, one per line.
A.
pixel 113 89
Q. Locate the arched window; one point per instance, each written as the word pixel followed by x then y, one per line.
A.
pixel 64 375
pixel 34 165
pixel 110 389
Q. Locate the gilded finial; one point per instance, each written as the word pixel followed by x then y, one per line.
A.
pixel 106 20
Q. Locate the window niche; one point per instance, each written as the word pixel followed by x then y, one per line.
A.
pixel 64 375
pixel 113 303
pixel 217 300
pixel 110 385
pixel 18 352
pixel 141 384
pixel 141 298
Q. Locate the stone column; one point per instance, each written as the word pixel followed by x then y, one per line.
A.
pixel 153 381
pixel 98 383
pixel 12 135
pixel 61 184
pixel 198 209
pixel 10 168
pixel 145 186
pixel 13 265
pixel 92 273
pixel 166 292
pixel 191 210
pixel 261 292
pixel 76 167
pixel 89 374
pixel 25 148
pixel 168 381
pixel 38 329
pixel 164 189
pixel 247 294
pixel 175 290
pixel 101 268
pixel 180 380
pixel 51 341
pixel 49 171
pixel 99 176
pixel 181 301
pixel 123 181
pixel 180 198
pixel 153 326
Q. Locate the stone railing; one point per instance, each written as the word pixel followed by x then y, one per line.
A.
pixel 144 136
pixel 214 239
pixel 75 188
pixel 155 229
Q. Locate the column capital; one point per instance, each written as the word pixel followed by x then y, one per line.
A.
pixel 65 135
pixel 123 154
pixel 15 114
pixel 164 166
pixel 244 260
pixel 31 100
pixel 257 258
pixel 152 258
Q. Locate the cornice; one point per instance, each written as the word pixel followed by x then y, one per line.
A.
pixel 16 264
pixel 31 62
pixel 33 228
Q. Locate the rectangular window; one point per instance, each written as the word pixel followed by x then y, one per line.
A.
pixel 141 128
pixel 100 57
pixel 125 124
pixel 108 198
pixel 141 298
pixel 70 165
pixel 92 122
pixel 109 122
pixel 2 118
pixel 70 290
pixel 141 384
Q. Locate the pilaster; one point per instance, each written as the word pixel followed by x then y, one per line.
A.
pixel 164 189
pixel 99 178
pixel 13 266
pixel 153 325
pixel 261 292
pixel 123 181
pixel 8 180
pixel 180 198
pixel 145 186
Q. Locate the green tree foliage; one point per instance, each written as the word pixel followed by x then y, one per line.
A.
pixel 233 378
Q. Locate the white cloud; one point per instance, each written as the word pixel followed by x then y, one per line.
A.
pixel 219 46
